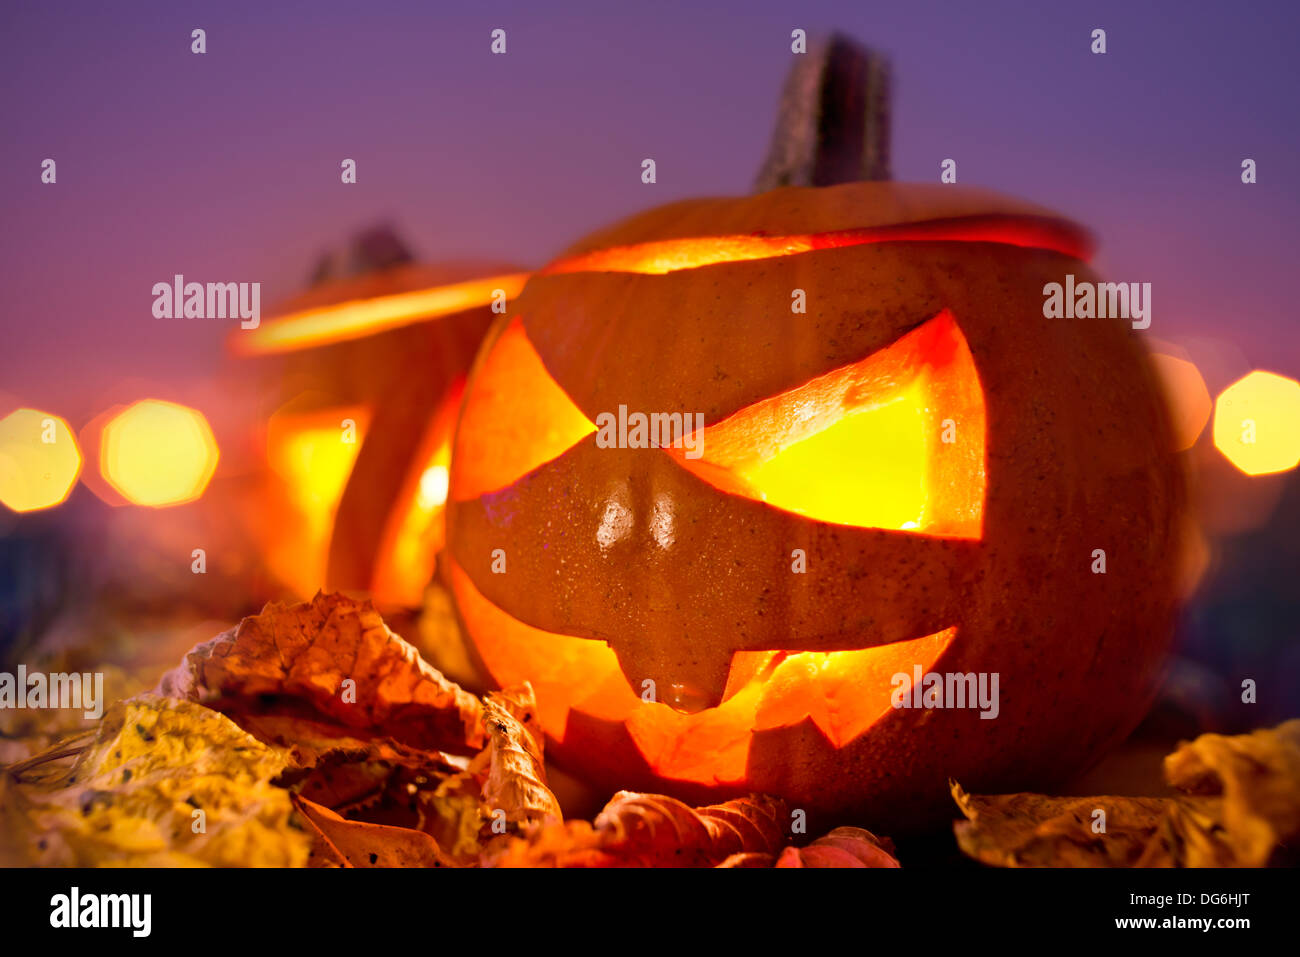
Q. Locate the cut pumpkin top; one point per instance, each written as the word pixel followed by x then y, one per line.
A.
pixel 890 211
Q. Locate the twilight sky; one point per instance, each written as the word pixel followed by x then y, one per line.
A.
pixel 226 166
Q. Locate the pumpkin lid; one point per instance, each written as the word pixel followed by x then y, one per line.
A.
pixel 796 211
pixel 354 307
pixel 401 278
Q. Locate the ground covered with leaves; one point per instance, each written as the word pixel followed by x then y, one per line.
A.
pixel 311 734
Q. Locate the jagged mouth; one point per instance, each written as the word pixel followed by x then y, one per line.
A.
pixel 842 693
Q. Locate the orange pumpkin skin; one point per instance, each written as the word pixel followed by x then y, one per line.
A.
pixel 628 564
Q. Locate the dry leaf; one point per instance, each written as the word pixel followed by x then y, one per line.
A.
pixel 163 783
pixel 1257 777
pixel 297 658
pixel 516 779
pixel 651 830
pixel 1242 809
pixel 344 843
pixel 351 774
pixel 842 847
pixel 502 793
pixel 1033 830
pixel 306 745
pixel 454 815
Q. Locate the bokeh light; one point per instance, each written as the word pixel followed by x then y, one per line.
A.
pixel 1257 423
pixel 39 460
pixel 158 453
pixel 1187 397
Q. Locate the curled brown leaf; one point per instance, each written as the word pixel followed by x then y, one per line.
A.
pixel 344 843
pixel 515 788
pixel 652 830
pixel 842 847
pixel 331 660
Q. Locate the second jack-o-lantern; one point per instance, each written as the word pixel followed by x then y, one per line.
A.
pixel 372 362
pixel 919 474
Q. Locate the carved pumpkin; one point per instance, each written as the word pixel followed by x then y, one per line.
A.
pixel 386 347
pixel 945 459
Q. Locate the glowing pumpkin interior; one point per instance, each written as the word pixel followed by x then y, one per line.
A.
pixel 314 466
pixel 893 441
pixel 415 531
pixel 310 464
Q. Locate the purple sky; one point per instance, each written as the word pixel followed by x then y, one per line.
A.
pixel 226 166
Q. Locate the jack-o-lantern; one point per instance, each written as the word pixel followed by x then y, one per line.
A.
pixel 372 363
pixel 917 475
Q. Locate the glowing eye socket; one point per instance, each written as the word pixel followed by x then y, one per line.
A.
pixel 515 418
pixel 866 469
pixel 895 440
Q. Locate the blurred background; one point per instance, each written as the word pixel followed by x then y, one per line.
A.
pixel 473 168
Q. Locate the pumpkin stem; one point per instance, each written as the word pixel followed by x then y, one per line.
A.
pixel 372 250
pixel 833 122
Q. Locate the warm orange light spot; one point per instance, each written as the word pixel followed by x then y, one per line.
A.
pixel 312 453
pixel 39 460
pixel 433 483
pixel 669 255
pixel 514 419
pixel 405 564
pixel 843 692
pixel 158 453
pixel 357 318
pixel 895 440
pixel 315 455
pixel 1187 397
pixel 415 531
pixel 1257 423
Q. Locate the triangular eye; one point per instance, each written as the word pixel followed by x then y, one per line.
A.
pixel 502 436
pixel 895 440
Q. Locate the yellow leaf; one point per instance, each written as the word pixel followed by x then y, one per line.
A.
pixel 1241 808
pixel 163 783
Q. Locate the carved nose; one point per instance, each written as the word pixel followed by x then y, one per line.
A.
pixel 688 680
pixel 659 662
